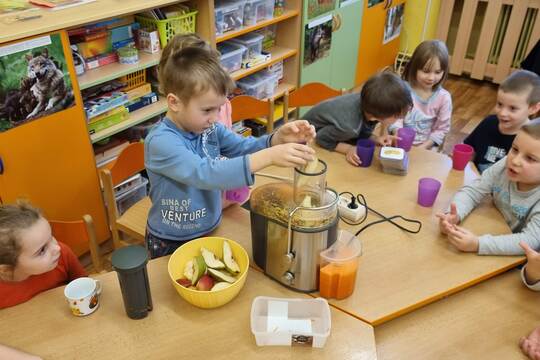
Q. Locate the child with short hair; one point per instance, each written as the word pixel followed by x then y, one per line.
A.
pixel 518 98
pixel 431 114
pixel 514 183
pixel 342 120
pixel 184 153
pixel 31 260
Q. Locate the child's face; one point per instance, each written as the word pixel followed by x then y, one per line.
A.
pixel 430 74
pixel 200 113
pixel 39 250
pixel 513 111
pixel 523 162
pixel 386 121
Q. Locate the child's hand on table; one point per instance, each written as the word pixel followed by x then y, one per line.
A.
pixel 530 345
pixel 532 268
pixel 386 140
pixel 352 156
pixel 298 131
pixel 446 221
pixel 463 239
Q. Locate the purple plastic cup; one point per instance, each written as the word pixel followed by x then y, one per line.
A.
pixel 239 195
pixel 461 155
pixel 365 149
pixel 428 188
pixel 406 138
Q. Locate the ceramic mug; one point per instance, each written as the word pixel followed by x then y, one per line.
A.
pixel 82 295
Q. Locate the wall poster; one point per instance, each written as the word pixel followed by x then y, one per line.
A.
pixel 317 40
pixel 394 19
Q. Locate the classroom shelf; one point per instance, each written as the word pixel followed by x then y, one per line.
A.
pixel 278 54
pixel 281 90
pixel 115 70
pixel 287 14
pixel 135 118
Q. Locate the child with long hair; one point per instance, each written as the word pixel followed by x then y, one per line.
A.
pixel 425 73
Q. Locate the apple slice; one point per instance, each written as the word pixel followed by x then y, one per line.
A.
pixel 199 269
pixel 228 259
pixel 220 275
pixel 205 283
pixel 184 282
pixel 211 259
pixel 220 286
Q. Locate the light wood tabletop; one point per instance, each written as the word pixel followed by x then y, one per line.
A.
pixel 173 330
pixel 482 322
pixel 398 271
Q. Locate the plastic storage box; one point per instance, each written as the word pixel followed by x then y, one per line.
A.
pixel 260 85
pixel 134 193
pixel 253 43
pixel 231 55
pixel 276 321
pixel 258 10
pixel 229 16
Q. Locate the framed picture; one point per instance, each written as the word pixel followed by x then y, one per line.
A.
pixel 319 7
pixel 317 40
pixel 373 2
pixel 394 19
pixel 34 80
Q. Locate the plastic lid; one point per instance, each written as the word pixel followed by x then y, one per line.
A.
pixel 129 258
pixel 346 248
pixel 392 153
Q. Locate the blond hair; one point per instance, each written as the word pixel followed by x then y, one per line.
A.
pixel 13 219
pixel 532 128
pixel 189 67
pixel 422 59
pixel 521 81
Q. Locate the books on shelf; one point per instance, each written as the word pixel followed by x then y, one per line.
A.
pixel 104 103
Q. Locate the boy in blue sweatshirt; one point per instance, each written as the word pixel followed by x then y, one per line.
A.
pixel 184 154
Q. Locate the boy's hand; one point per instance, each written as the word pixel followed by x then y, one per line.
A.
pixel 532 269
pixel 386 140
pixel 463 239
pixel 446 221
pixel 298 131
pixel 352 157
pixel 530 345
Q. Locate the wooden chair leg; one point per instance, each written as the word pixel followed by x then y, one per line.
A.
pixel 92 243
pixel 117 240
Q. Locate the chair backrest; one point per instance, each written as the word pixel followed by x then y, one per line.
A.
pixel 248 107
pixel 308 95
pixel 79 235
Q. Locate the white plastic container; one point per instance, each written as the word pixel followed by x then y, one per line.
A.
pixel 132 196
pixel 260 85
pixel 283 321
pixel 253 43
pixel 277 69
pixel 229 16
pixel 231 55
pixel 258 10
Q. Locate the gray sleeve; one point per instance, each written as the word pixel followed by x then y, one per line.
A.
pixel 535 286
pixel 509 244
pixel 328 137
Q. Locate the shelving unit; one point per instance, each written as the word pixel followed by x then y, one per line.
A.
pixel 278 54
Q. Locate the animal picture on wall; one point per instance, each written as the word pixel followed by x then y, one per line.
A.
pixel 317 41
pixel 34 81
pixel 394 20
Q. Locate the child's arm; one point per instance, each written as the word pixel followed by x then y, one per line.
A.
pixel 530 273
pixel 441 126
pixel 7 352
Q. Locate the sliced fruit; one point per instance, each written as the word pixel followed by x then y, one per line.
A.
pixel 199 269
pixel 220 275
pixel 184 282
pixel 311 166
pixel 205 283
pixel 188 270
pixel 220 286
pixel 211 259
pixel 228 259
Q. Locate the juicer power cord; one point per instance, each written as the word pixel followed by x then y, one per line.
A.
pixel 362 201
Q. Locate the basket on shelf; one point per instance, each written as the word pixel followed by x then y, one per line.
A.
pixel 169 27
pixel 133 80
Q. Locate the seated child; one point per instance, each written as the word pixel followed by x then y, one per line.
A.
pixel 518 98
pixel 342 120
pixel 430 117
pixel 184 153
pixel 514 184
pixel 530 275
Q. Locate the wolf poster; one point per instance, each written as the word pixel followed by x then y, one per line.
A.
pixel 34 81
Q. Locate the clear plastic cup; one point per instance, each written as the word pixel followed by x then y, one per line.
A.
pixel 338 266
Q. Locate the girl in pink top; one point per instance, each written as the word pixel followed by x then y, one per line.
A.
pixel 432 110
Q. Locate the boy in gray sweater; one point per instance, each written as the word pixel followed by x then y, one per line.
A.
pixel 514 184
pixel 342 120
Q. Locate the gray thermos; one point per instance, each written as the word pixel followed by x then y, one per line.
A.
pixel 130 265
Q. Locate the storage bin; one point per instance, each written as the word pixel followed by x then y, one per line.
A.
pixel 269 33
pixel 258 10
pixel 133 80
pixel 277 69
pixel 229 16
pixel 169 27
pixel 130 197
pixel 231 55
pixel 272 81
pixel 260 85
pixel 252 42
pixel 286 321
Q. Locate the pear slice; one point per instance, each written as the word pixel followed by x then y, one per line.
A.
pixel 211 259
pixel 199 269
pixel 228 259
pixel 220 286
pixel 311 166
pixel 188 270
pixel 220 275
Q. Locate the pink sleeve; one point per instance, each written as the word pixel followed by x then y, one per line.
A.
pixel 441 126
pixel 225 114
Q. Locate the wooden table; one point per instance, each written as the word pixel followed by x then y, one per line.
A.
pixel 173 330
pixel 483 322
pixel 398 271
